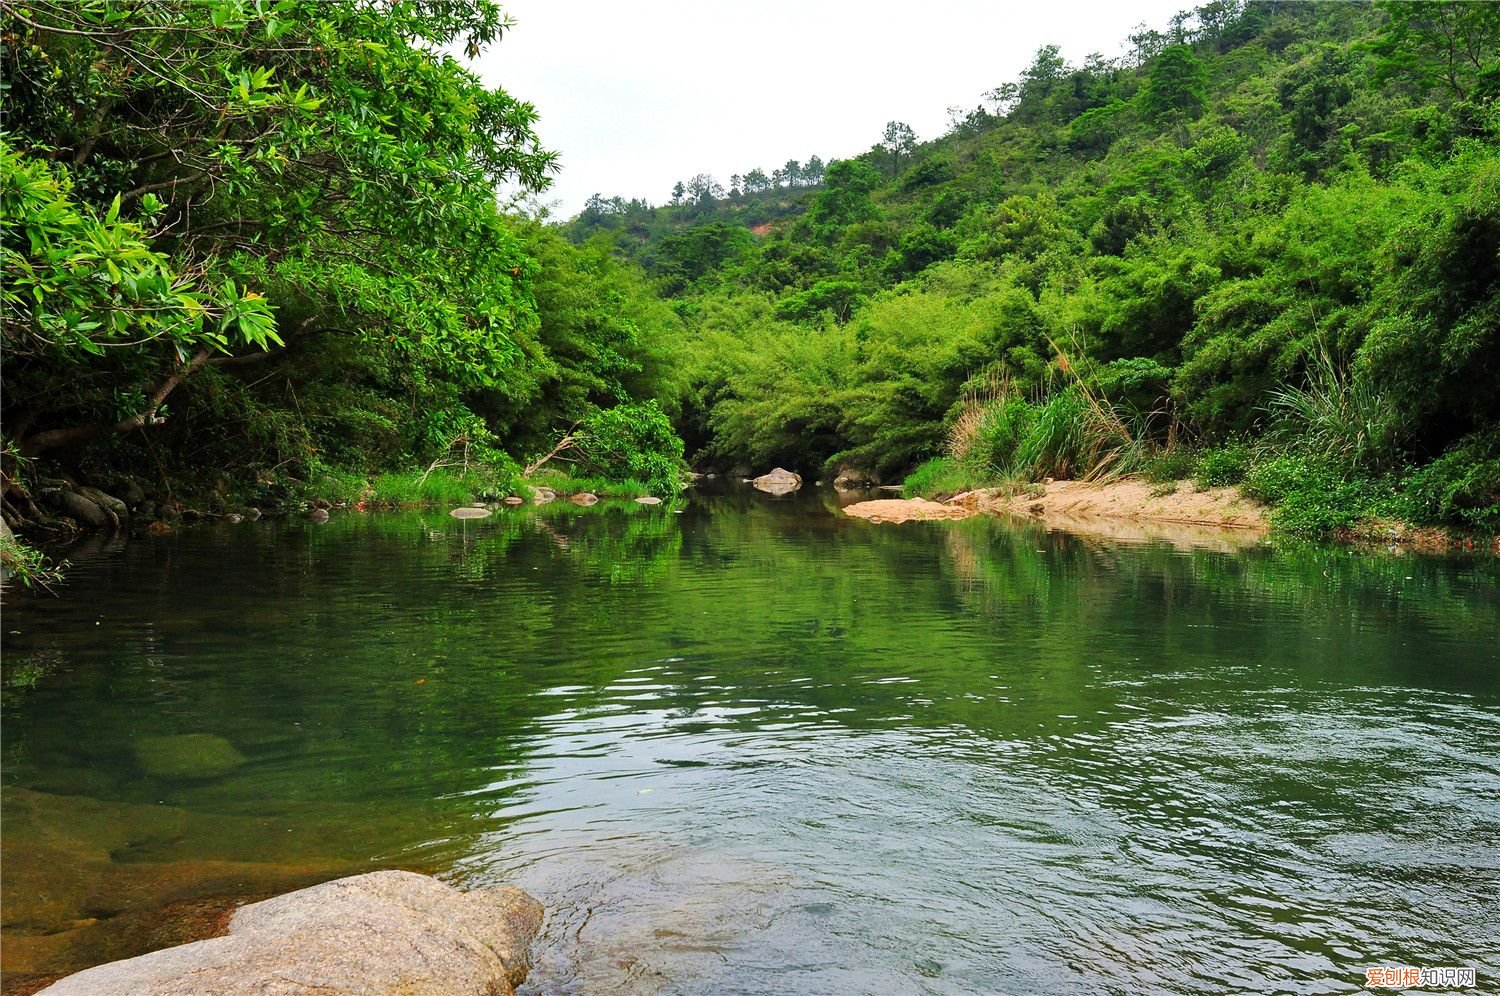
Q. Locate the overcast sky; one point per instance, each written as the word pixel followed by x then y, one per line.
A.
pixel 635 96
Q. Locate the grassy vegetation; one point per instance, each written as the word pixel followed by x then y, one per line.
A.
pixel 1328 465
pixel 28 565
pixel 572 484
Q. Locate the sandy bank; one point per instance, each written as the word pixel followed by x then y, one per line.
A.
pixel 1067 503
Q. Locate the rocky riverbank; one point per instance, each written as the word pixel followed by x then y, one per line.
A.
pixel 381 932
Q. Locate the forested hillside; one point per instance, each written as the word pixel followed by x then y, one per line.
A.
pixel 1263 243
pixel 254 253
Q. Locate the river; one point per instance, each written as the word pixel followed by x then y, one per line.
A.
pixel 747 745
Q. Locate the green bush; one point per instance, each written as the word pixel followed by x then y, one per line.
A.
pixel 1168 465
pixel 1310 497
pixel 342 487
pixel 942 477
pixel 1271 481
pixel 1461 487
pixel 27 564
pixel 633 441
pixel 1339 416
pixel 1222 466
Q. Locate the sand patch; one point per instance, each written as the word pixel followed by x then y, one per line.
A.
pixel 1225 508
pixel 1070 504
pixel 907 510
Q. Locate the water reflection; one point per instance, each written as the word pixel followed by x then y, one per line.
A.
pixel 750 744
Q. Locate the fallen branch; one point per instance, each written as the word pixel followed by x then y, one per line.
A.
pixel 447 452
pixel 567 441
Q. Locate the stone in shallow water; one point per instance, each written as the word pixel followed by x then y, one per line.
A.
pixel 188 755
pixel 778 482
pixel 470 513
pixel 383 932
pixel 584 498
pixel 648 500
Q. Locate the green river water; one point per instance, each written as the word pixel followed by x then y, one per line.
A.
pixel 748 745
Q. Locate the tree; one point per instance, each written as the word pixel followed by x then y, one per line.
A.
pixel 899 141
pixel 324 161
pixel 704 190
pixel 1448 45
pixel 1178 85
pixel 679 193
pixel 813 171
pixel 1145 44
pixel 845 198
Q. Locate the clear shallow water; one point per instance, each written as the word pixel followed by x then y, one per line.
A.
pixel 758 747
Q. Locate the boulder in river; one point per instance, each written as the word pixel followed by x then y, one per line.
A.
pixel 112 505
pixel 778 482
pixel 187 755
pixel 80 509
pixel 513 500
pixel 468 512
pixel 648 500
pixel 542 496
pixel 584 498
pixel 383 932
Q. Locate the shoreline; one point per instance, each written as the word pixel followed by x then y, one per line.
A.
pixel 1130 509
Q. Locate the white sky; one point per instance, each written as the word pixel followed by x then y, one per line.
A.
pixel 635 96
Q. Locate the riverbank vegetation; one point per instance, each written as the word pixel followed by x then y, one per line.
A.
pixel 1260 248
pixel 254 255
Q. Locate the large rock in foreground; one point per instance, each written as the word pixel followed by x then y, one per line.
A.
pixel 385 932
pixel 778 482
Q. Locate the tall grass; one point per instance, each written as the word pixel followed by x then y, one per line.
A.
pixel 437 487
pixel 1068 434
pixel 1338 417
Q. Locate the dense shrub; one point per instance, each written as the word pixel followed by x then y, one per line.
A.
pixel 1222 466
pixel 1462 487
pixel 632 441
pixel 1311 497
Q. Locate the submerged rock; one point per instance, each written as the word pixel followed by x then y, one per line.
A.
pixel 648 500
pixel 382 932
pixel 187 755
pixel 513 500
pixel 851 478
pixel 542 496
pixel 778 482
pixel 317 515
pixel 584 498
pixel 470 513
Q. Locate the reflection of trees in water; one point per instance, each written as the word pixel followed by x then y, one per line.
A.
pixel 424 669
pixel 1273 603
